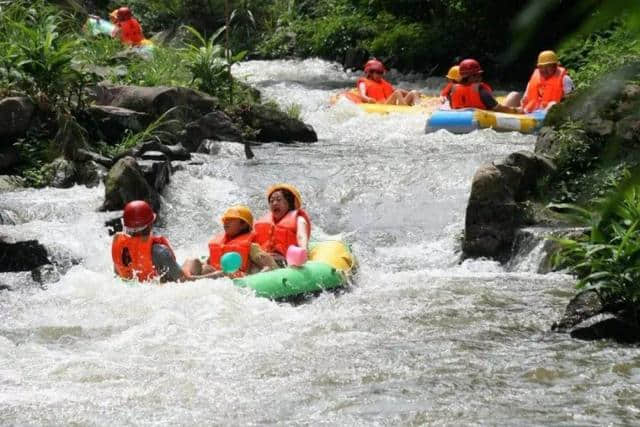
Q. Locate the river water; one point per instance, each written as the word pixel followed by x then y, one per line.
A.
pixel 420 338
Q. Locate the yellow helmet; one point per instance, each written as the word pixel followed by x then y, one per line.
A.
pixel 289 187
pixel 547 57
pixel 454 73
pixel 239 212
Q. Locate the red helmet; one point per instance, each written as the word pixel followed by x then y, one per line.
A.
pixel 124 13
pixel 470 67
pixel 374 65
pixel 138 215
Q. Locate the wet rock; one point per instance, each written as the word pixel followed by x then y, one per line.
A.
pixel 532 168
pixel 114 225
pixel 90 173
pixel 15 116
pixel 628 128
pixel 113 121
pixel 492 214
pixel 126 182
pixel 84 155
pixel 215 125
pixel 613 327
pixel 9 157
pixel 156 172
pixel 581 307
pixel 22 256
pixel 599 127
pixel 161 151
pixel 11 183
pixel 61 173
pixel 155 100
pixel 546 142
pixel 273 125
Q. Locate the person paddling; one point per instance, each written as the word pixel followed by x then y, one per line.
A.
pixel 285 224
pixel 372 88
pixel 139 255
pixel 472 92
pixel 548 84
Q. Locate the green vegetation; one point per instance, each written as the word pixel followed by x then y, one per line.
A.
pixel 607 260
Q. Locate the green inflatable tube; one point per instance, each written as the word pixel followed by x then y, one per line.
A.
pixel 289 282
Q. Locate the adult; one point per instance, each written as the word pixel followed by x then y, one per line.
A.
pixel 374 89
pixel 285 224
pixel 128 28
pixel 238 236
pixel 472 92
pixel 138 254
pixel 548 84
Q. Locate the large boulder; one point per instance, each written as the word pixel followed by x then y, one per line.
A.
pixel 533 167
pixel 628 128
pixel 22 256
pixel 492 215
pixel 216 126
pixel 273 125
pixel 157 172
pixel 112 121
pixel 9 157
pixel 15 116
pixel 154 100
pixel 60 173
pixel 126 182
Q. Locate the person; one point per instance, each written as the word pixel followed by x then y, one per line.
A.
pixel 128 28
pixel 549 83
pixel 453 77
pixel 139 255
pixel 472 92
pixel 372 88
pixel 238 236
pixel 285 224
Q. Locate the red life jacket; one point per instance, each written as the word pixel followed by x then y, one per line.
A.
pixel 140 265
pixel 468 95
pixel 220 245
pixel 541 92
pixel 278 237
pixel 379 91
pixel 131 32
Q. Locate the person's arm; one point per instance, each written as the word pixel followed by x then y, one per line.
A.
pixel 165 264
pixel 362 89
pixel 493 105
pixel 261 259
pixel 301 233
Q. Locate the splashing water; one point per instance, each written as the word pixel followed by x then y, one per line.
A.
pixel 420 338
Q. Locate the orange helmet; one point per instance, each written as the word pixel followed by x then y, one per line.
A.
pixel 241 212
pixel 374 65
pixel 138 215
pixel 470 67
pixel 124 13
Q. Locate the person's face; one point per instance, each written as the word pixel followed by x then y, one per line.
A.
pixel 278 205
pixel 547 70
pixel 234 227
pixel 376 75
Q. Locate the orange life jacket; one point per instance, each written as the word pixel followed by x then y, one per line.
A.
pixel 468 96
pixel 541 92
pixel 140 265
pixel 447 90
pixel 278 237
pixel 131 32
pixel 379 91
pixel 220 245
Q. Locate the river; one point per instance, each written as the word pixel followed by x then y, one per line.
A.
pixel 419 338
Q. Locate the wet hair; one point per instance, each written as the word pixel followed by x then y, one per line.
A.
pixel 288 196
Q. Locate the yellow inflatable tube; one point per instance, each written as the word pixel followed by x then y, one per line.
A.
pixel 333 252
